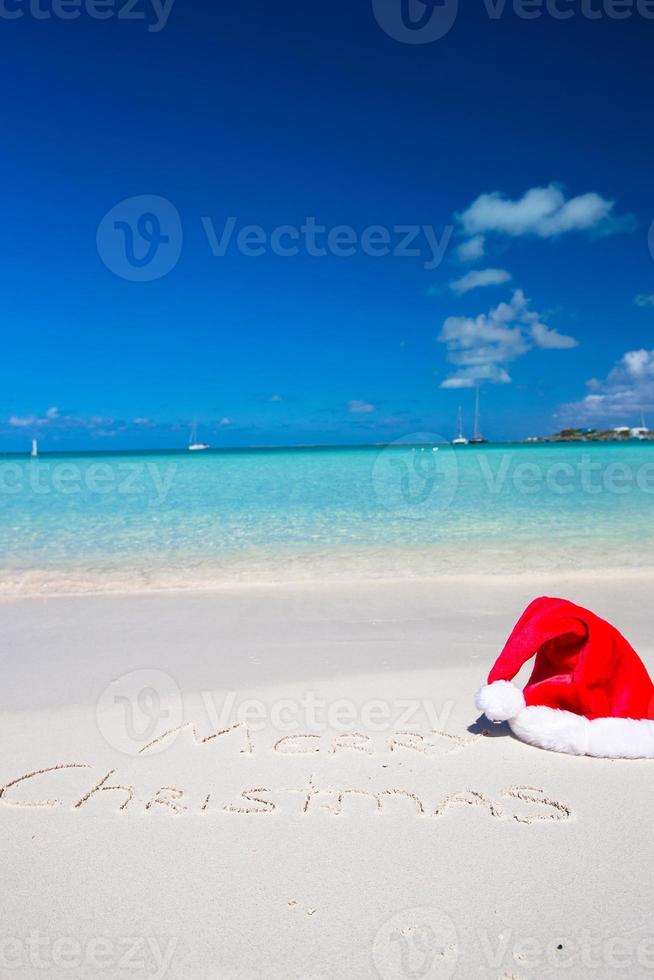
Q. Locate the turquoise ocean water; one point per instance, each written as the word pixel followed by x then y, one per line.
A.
pixel 124 521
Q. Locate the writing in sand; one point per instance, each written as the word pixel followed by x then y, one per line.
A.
pixel 80 787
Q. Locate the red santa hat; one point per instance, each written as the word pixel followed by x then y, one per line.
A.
pixel 589 692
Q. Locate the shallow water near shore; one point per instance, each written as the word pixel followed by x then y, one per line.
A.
pixel 127 521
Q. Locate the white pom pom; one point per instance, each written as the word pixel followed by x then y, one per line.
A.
pixel 500 701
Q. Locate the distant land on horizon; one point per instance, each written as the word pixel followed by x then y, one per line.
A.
pixel 622 433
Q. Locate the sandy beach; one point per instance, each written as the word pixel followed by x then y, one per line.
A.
pixel 293 782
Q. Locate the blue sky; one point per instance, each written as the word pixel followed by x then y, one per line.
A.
pixel 523 146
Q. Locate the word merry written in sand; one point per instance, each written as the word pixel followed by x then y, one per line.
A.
pixel 309 743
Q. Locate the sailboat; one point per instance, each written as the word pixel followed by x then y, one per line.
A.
pixel 193 445
pixel 460 440
pixel 477 437
pixel 35 449
pixel 643 431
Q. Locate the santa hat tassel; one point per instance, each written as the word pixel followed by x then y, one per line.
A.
pixel 565 731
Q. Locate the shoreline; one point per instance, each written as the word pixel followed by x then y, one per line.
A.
pixel 104 587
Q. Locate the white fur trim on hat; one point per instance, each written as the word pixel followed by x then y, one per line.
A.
pixel 565 731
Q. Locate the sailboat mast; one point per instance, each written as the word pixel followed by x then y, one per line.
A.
pixel 477 433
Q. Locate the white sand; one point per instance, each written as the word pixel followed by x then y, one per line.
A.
pixel 370 855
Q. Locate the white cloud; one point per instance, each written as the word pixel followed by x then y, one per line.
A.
pixel 619 399
pixel 51 415
pixel 480 277
pixel 358 407
pixel 644 300
pixel 548 339
pixel 541 211
pixel 481 347
pixel 225 421
pixel 470 377
pixel 53 421
pixel 473 249
pixel 275 398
